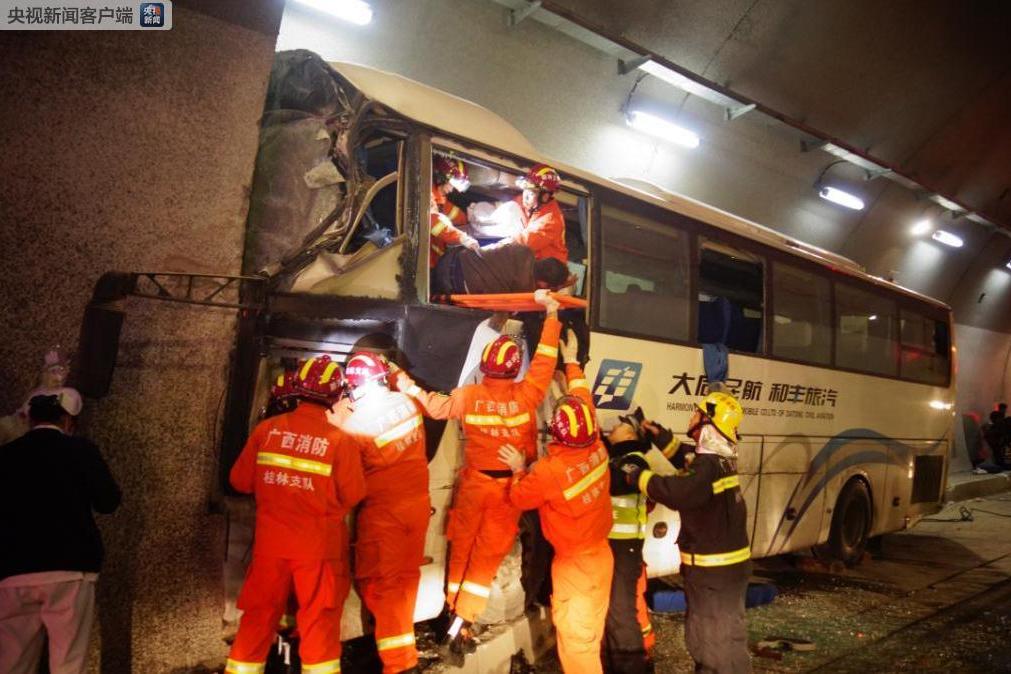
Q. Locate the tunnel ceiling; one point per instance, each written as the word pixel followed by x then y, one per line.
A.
pixel 924 86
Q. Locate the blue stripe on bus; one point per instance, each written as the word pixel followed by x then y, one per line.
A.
pixel 824 455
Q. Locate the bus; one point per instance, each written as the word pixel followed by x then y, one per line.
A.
pixel 846 379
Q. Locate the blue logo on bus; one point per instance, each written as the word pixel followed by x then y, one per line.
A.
pixel 615 384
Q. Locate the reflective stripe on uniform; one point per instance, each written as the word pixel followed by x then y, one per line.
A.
pixel 285 461
pixel 440 225
pixel 453 212
pixel 496 420
pixel 399 641
pixel 328 667
pixel 647 629
pixel 721 559
pixel 546 350
pixel 578 383
pixel 398 431
pixel 644 480
pixel 414 390
pixel 475 589
pixel 628 516
pixel 237 667
pixel 625 501
pixel 452 588
pixel 728 482
pixel 581 486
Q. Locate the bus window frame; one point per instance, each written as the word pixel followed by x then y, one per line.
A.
pixel 646 211
pixel 491 158
pixel 763 259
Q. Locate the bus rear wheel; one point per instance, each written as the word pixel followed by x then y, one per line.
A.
pixel 851 525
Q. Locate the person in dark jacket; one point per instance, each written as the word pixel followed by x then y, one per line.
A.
pixel 50 483
pixel 715 551
pixel 624 642
pixel 504 267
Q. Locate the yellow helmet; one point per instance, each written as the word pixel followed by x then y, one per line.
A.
pixel 724 411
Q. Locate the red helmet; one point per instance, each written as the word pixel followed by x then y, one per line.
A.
pixel 572 422
pixel 501 358
pixel 541 177
pixel 283 386
pixel 452 171
pixel 320 380
pixel 364 368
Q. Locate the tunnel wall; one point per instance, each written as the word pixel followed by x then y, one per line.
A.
pixel 134 151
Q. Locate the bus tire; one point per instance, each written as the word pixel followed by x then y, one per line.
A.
pixel 851 524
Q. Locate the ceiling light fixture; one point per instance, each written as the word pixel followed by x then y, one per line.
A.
pixel 661 128
pixel 1008 265
pixel 947 238
pixel 921 227
pixel 841 197
pixel 353 11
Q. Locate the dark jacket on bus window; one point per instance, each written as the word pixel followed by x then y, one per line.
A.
pixel 49 485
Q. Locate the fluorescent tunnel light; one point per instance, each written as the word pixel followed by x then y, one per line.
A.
pixel 940 405
pixel 661 128
pixel 353 11
pixel 947 238
pixel 921 227
pixel 841 197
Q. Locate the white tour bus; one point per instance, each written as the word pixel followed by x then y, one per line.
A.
pixel 845 379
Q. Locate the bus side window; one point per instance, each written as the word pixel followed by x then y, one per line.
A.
pixel 926 349
pixel 802 322
pixel 645 278
pixel 731 297
pixel 865 331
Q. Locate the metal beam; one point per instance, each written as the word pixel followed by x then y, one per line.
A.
pixel 517 15
pixel 625 67
pixel 209 290
pixel 734 113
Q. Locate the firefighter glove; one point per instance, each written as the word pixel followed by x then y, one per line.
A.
pixel 631 465
pixel 543 297
pixel 569 347
pixel 660 436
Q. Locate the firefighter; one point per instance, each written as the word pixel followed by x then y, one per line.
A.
pixel 282 396
pixel 482 522
pixel 543 223
pixel 387 429
pixel 304 486
pixel 624 636
pixel 715 552
pixel 570 487
pixel 448 175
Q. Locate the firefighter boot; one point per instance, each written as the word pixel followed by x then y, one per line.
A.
pixel 457 643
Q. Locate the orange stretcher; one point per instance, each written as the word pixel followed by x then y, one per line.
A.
pixel 509 301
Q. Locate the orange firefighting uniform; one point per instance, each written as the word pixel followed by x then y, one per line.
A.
pixel 386 428
pixel 543 230
pixel 304 486
pixel 446 218
pixel 482 523
pixel 570 487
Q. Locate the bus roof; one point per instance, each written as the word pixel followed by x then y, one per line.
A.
pixel 465 119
